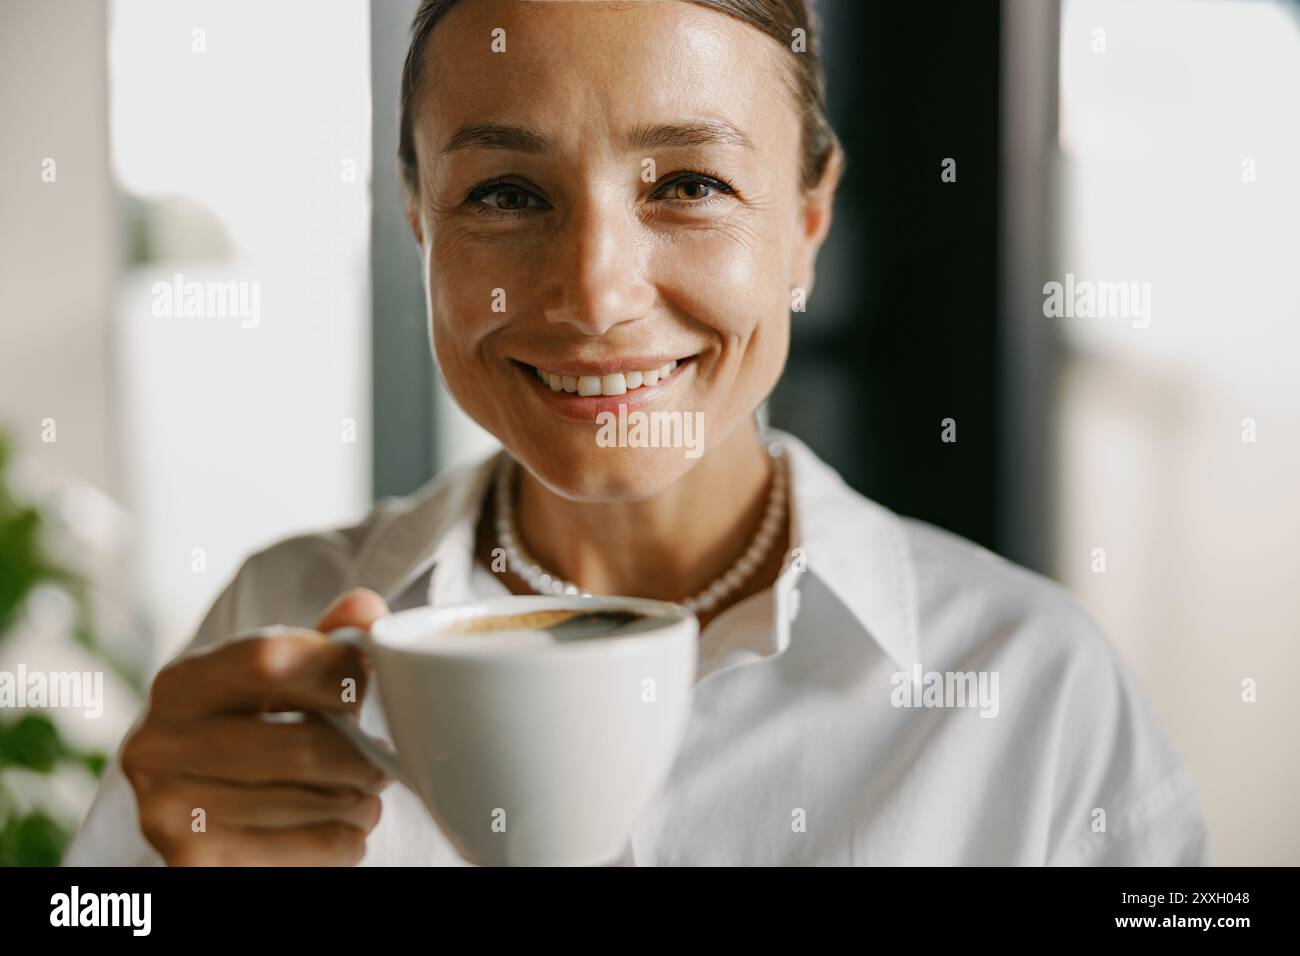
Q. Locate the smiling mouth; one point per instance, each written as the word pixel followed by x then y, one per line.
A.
pixel 598 384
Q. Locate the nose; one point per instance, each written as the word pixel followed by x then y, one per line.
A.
pixel 598 278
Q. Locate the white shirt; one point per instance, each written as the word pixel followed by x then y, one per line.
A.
pixel 800 749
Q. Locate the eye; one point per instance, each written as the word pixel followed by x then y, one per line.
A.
pixel 506 197
pixel 692 189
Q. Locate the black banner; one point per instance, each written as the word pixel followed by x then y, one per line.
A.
pixel 334 906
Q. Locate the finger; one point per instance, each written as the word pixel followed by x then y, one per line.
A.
pixel 264 806
pixel 244 748
pixel 359 607
pixel 283 669
pixel 324 844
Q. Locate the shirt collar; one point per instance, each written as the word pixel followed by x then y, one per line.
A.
pixel 855 547
pixel 432 528
pixel 858 549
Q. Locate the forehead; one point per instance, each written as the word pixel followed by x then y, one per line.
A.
pixel 583 72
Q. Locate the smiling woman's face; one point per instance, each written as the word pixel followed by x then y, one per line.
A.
pixel 628 177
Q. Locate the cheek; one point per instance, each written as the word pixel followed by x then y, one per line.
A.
pixel 461 295
pixel 473 290
pixel 738 286
pixel 731 282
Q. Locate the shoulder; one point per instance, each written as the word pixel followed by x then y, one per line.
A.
pixel 1072 712
pixel 1072 721
pixel 967 595
pixel 976 609
pixel 929 594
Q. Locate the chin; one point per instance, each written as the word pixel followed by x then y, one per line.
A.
pixel 594 474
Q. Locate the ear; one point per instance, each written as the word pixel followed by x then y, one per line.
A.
pixel 815 221
pixel 413 217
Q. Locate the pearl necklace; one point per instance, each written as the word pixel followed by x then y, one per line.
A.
pixel 522 563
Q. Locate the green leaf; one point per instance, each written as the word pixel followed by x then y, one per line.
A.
pixel 33 742
pixel 21 565
pixel 94 762
pixel 33 840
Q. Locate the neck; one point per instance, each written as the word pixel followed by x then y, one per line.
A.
pixel 669 546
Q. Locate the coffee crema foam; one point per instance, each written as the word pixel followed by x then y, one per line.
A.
pixel 532 629
pixel 530 621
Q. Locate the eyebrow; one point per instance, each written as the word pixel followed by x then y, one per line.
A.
pixel 642 139
pixel 495 136
pixel 646 138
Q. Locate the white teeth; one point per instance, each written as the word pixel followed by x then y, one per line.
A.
pixel 613 383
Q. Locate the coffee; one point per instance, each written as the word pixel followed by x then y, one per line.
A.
pixel 561 624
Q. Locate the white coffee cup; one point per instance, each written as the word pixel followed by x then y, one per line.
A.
pixel 528 751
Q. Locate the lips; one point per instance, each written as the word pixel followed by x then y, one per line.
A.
pixel 584 390
pixel 608 383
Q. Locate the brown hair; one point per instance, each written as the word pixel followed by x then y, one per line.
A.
pixel 778 19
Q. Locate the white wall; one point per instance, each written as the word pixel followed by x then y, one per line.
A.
pixel 1198 526
pixel 57 256
pixel 244 129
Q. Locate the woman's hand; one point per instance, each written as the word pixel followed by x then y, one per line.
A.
pixel 282 794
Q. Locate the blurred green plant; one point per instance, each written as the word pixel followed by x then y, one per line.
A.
pixel 31 741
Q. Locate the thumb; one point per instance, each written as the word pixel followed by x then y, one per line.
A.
pixel 359 607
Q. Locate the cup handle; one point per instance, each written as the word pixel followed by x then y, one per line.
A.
pixel 378 752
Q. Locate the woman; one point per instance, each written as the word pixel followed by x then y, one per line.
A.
pixel 615 204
